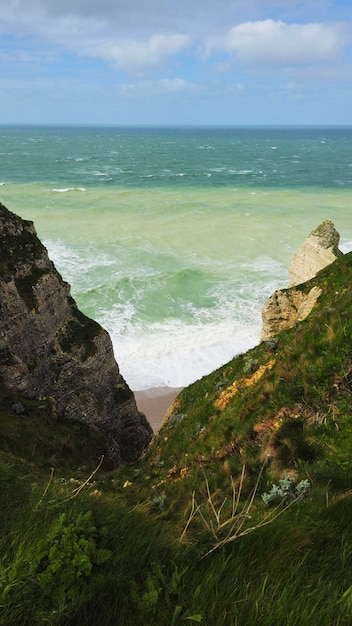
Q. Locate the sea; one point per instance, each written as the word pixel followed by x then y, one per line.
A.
pixel 173 238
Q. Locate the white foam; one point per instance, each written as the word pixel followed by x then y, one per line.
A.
pixel 175 355
pixel 265 264
pixel 70 262
pixel 66 189
pixel 346 246
pixel 177 351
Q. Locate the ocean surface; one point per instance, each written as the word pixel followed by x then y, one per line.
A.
pixel 173 238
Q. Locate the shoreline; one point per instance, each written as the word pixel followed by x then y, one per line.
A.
pixel 155 402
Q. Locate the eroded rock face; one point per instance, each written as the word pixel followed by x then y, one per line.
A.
pixel 319 250
pixel 49 348
pixel 285 308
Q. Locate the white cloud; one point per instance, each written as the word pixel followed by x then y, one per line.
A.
pixel 173 85
pixel 128 18
pixel 139 34
pixel 92 34
pixel 277 43
pixel 135 56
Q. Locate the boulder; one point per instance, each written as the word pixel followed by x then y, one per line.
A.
pixel 284 309
pixel 49 348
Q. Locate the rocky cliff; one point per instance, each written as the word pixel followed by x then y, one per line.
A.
pixel 319 250
pixel 48 348
pixel 285 308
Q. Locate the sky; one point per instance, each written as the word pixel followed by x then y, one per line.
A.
pixel 176 62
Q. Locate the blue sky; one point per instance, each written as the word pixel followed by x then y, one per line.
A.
pixel 204 62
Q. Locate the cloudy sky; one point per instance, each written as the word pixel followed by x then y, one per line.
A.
pixel 217 62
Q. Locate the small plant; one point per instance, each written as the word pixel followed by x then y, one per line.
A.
pixel 286 491
pixel 67 556
pixel 198 431
pixel 159 502
pixel 147 600
pixel 250 366
pixel 56 570
pixel 166 587
pixel 227 524
pixel 222 383
pixel 175 418
pixel 272 344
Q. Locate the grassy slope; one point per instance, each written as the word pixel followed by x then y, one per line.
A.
pixel 283 408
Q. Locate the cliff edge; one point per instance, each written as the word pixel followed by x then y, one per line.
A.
pixel 48 348
pixel 287 307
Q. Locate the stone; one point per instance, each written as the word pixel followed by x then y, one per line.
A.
pixel 319 250
pixel 286 308
pixel 49 348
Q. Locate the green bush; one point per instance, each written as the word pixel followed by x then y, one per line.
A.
pixel 47 580
pixel 67 556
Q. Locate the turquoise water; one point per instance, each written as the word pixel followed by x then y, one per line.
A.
pixel 173 238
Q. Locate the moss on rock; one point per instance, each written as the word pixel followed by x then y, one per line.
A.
pixel 80 332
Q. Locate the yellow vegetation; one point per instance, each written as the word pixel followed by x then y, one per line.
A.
pixel 249 381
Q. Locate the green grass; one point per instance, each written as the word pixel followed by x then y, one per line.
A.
pixel 297 570
pixel 144 544
pixel 31 431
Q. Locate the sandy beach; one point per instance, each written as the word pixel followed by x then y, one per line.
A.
pixel 155 402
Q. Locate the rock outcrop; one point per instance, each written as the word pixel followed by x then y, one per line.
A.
pixel 48 348
pixel 285 308
pixel 319 250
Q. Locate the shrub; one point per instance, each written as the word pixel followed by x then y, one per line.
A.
pixel 286 491
pixel 66 557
